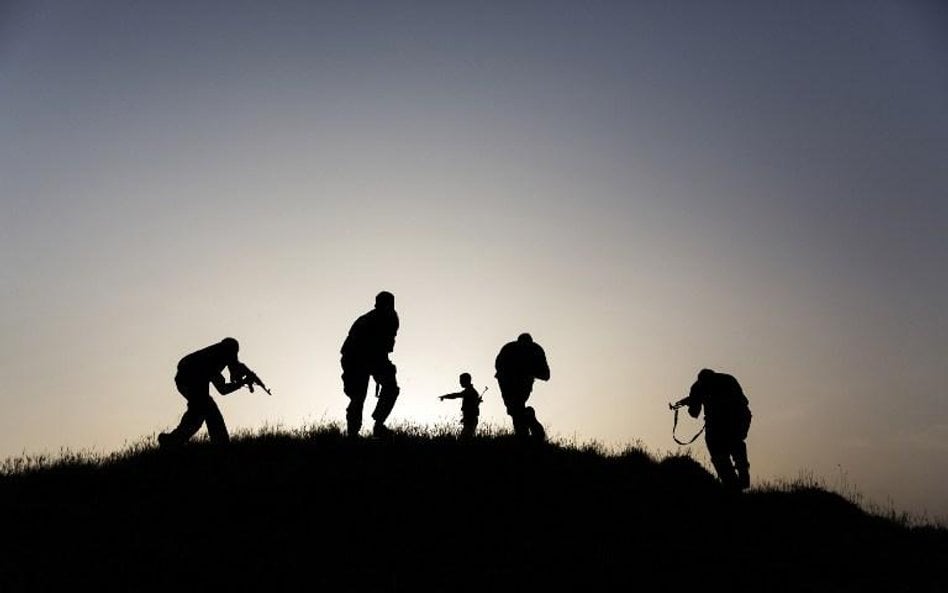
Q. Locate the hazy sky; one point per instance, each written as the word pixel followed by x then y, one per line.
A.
pixel 649 188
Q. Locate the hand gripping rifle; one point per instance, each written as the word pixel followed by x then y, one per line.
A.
pixel 675 407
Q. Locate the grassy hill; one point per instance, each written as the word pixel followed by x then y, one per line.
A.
pixel 311 510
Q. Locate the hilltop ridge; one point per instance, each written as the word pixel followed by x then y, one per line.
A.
pixel 430 512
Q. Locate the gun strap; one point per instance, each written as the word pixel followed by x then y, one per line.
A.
pixel 675 425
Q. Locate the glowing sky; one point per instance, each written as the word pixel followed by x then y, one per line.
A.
pixel 649 188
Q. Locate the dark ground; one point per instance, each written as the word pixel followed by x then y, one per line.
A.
pixel 315 512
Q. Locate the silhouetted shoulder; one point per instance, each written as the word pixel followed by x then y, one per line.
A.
pixel 212 358
pixel 729 381
pixel 729 387
pixel 375 330
pixel 505 356
pixel 357 335
pixel 541 368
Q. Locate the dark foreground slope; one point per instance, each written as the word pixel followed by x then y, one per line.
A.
pixel 315 512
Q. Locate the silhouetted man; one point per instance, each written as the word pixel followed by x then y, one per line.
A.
pixel 517 365
pixel 196 372
pixel 365 354
pixel 470 405
pixel 727 419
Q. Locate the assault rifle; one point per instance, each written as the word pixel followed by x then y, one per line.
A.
pixel 251 378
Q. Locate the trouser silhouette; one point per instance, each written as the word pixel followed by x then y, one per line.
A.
pixel 525 424
pixel 468 426
pixel 201 409
pixel 355 383
pixel 728 451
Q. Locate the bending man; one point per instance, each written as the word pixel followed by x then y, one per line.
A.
pixel 518 364
pixel 196 372
pixel 727 419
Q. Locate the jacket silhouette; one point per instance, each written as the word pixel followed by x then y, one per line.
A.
pixel 727 419
pixel 365 354
pixel 517 365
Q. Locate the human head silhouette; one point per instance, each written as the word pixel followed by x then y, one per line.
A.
pixel 465 379
pixel 231 347
pixel 385 301
pixel 525 338
pixel 705 374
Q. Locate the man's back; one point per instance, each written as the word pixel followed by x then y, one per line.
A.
pixel 470 401
pixel 372 334
pixel 522 359
pixel 204 362
pixel 720 394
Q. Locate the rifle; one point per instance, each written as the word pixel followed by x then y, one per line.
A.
pixel 675 406
pixel 251 378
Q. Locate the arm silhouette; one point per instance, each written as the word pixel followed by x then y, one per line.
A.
pixel 223 387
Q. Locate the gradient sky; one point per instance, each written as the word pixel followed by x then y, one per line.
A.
pixel 649 188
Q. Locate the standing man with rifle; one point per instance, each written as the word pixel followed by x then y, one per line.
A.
pixel 195 372
pixel 365 354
